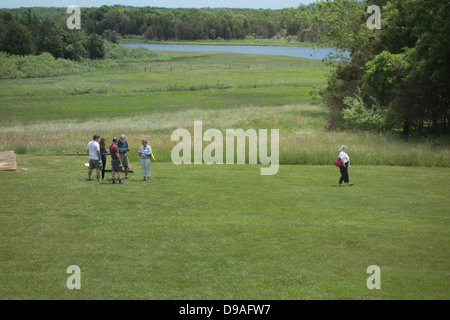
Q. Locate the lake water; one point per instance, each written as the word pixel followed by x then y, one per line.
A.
pixel 299 52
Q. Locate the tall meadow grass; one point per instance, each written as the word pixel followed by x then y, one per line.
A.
pixel 302 139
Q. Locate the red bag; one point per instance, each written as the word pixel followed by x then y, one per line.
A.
pixel 338 162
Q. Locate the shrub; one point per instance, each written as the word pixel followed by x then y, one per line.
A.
pixel 45 65
pixel 360 116
pixel 125 54
pixel 316 93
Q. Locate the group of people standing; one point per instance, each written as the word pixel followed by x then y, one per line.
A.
pixel 119 159
pixel 118 151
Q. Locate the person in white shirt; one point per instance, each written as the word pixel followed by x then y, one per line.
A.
pixel 145 154
pixel 95 159
pixel 345 163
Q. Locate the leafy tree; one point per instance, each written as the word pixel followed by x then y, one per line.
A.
pixel 240 26
pixel 16 39
pixel 111 36
pixel 53 44
pixel 75 49
pixel 48 39
pixel 337 24
pixel 95 47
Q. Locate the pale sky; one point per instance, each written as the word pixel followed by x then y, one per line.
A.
pixel 254 4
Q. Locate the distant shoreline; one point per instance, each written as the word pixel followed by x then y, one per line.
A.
pixel 315 53
pixel 244 42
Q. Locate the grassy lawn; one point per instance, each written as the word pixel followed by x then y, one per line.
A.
pixel 223 232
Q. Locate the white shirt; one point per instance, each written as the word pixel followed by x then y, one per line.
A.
pixel 93 147
pixel 345 157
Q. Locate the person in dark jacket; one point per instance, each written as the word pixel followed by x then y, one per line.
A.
pixel 102 144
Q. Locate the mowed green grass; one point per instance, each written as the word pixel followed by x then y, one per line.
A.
pixel 223 232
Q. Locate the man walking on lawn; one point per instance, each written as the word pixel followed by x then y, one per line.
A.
pixel 122 144
pixel 116 164
pixel 95 160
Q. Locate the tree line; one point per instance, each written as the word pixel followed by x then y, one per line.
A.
pixel 30 35
pixel 396 79
pixel 199 24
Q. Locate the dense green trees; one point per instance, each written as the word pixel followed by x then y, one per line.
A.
pixel 31 35
pixel 95 47
pixel 183 24
pixel 397 77
pixel 16 39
